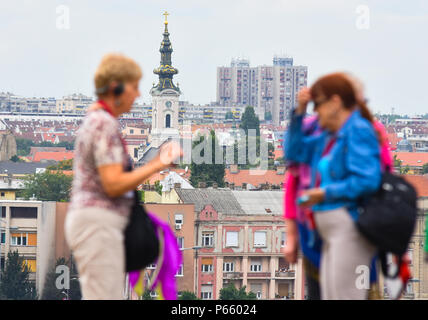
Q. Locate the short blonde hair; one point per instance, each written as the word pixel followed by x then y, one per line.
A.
pixel 116 67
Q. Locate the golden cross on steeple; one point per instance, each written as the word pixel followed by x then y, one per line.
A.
pixel 166 14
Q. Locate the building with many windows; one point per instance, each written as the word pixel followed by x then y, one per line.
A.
pixel 241 234
pixel 272 90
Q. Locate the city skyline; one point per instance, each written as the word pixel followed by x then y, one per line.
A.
pixel 43 61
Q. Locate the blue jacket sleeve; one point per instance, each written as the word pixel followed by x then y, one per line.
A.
pixel 298 147
pixel 362 165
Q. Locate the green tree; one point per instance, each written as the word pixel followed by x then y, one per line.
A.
pixel 208 172
pixel 15 158
pixel 397 162
pixel 15 283
pixel 231 293
pixel 23 146
pixel 47 186
pixel 249 120
pixel 158 187
pixel 405 170
pixel 50 290
pixel 62 165
pixel 425 168
pixel 229 115
pixel 146 295
pixel 187 295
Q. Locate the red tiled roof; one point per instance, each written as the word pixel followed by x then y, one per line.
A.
pixel 57 156
pixel 412 159
pixel 256 178
pixel 420 183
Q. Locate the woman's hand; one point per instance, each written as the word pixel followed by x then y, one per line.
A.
pixel 303 98
pixel 290 250
pixel 314 196
pixel 169 153
pixel 291 245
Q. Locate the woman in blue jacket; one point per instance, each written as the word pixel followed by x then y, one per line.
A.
pixel 345 167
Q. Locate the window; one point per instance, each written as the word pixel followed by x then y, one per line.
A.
pixel 2 194
pixel 260 239
pixel 231 239
pixel 178 219
pixel 256 266
pixel 207 239
pixel 180 242
pixel 19 239
pixel 409 287
pixel 168 121
pixel 206 292
pixel 3 237
pixel 31 264
pixel 135 152
pixel 283 239
pixel 131 131
pixel 180 271
pixel 207 265
pixel 228 267
pixel 410 255
pixel 23 212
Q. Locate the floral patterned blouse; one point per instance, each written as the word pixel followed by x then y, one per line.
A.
pixel 98 143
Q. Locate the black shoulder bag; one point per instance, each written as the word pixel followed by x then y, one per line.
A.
pixel 387 218
pixel 141 241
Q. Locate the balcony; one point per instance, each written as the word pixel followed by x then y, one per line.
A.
pixel 285 274
pixel 233 275
pixel 258 274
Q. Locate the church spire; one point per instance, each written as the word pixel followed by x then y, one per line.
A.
pixel 165 71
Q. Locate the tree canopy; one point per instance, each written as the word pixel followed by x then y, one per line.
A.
pixel 231 293
pixel 15 283
pixel 47 186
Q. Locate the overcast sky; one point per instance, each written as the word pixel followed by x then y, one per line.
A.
pixel 38 59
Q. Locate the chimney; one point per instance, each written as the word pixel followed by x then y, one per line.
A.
pixel 177 185
pixel 234 168
pixel 202 184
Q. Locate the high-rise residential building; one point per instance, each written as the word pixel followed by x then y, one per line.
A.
pixel 272 90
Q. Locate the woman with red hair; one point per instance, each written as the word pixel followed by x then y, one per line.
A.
pixel 345 166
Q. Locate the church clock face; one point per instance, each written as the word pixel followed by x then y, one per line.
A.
pixel 168 104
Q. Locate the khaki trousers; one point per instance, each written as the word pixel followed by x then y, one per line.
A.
pixel 96 238
pixel 345 258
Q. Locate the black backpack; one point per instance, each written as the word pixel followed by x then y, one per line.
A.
pixel 141 241
pixel 387 218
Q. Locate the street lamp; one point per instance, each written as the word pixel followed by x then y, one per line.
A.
pixel 66 291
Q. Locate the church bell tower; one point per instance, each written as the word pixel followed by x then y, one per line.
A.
pixel 165 95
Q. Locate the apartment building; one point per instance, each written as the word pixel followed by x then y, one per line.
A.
pixel 241 234
pixel 272 90
pixel 181 219
pixel 29 228
pixel 75 103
